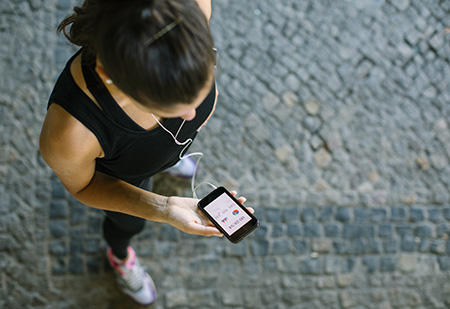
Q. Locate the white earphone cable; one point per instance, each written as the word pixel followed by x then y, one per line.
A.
pixel 186 144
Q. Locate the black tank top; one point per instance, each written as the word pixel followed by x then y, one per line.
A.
pixel 132 153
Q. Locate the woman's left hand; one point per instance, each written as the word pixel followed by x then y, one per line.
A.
pixel 184 214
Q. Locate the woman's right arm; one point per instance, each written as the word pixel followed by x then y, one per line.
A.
pixel 70 149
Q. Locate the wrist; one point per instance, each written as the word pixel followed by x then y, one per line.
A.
pixel 156 207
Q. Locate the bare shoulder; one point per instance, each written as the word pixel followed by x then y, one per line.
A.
pixel 62 128
pixel 69 148
pixel 205 6
pixel 64 139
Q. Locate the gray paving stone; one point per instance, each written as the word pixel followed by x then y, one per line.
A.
pixel 442 230
pixel 391 245
pixel 291 214
pixel 447 213
pixel 444 263
pixel 374 246
pixel 408 244
pixel 93 265
pixel 326 213
pixel 58 209
pixel 424 245
pixel 300 246
pixel 311 266
pixel 277 230
pixel 351 230
pixel 312 230
pixel 59 266
pixel 58 229
pixel 260 247
pixel 76 265
pixel 348 265
pixel 58 248
pixel 94 225
pixel 378 214
pixel 273 215
pixel 368 231
pixel 343 214
pixel 438 246
pixel 372 263
pixel 76 247
pixel 358 247
pixel 294 229
pixel 424 230
pixel 281 247
pixel 92 246
pixel 399 214
pixel 78 213
pixel 58 190
pixel 360 214
pixel 385 230
pixel 308 214
pixel 332 230
pixel 404 230
pixel 388 263
pixel 340 247
pixel 378 71
pixel 77 232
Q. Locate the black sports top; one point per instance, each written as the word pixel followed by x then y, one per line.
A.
pixel 132 153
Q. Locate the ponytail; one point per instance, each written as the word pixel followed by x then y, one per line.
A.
pixel 81 24
pixel 156 51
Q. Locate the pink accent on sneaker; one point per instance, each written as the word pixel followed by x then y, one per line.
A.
pixel 130 261
pixel 132 278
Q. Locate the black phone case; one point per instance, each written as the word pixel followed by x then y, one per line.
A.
pixel 243 231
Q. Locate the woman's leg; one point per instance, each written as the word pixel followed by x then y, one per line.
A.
pixel 119 228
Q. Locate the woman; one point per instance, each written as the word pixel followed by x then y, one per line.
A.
pixel 126 106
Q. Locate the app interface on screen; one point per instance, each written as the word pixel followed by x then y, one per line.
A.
pixel 227 214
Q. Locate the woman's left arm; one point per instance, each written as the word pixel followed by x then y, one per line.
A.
pixel 205 6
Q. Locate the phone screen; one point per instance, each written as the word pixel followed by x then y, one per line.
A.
pixel 227 214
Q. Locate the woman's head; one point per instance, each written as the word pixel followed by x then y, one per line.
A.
pixel 158 52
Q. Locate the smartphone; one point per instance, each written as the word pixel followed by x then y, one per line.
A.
pixel 228 215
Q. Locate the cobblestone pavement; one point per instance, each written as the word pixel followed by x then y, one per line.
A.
pixel 333 121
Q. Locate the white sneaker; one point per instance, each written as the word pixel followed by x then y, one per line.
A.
pixel 185 168
pixel 132 278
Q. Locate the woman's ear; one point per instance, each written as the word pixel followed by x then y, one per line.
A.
pixel 101 72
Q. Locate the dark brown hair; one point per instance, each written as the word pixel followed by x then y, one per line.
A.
pixel 171 69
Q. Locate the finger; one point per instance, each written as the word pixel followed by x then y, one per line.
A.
pixel 242 200
pixel 250 209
